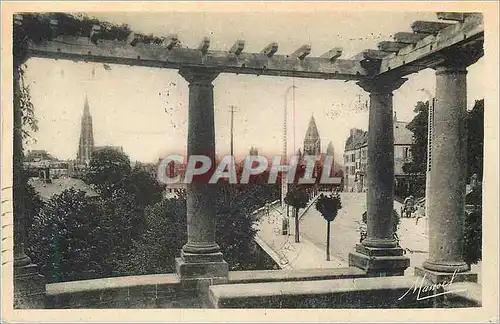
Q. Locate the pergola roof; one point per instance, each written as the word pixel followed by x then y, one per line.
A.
pixel 407 53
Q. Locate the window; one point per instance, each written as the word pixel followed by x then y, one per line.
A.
pixel 353 158
pixel 406 153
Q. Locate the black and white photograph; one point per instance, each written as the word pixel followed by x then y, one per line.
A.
pixel 266 156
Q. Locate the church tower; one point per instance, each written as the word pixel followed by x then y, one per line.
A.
pixel 329 150
pixel 312 143
pixel 86 144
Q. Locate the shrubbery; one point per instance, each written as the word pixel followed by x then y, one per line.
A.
pixel 66 238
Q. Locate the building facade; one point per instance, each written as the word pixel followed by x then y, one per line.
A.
pixel 356 153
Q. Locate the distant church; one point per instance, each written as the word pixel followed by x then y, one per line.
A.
pixel 312 141
pixel 312 147
pixel 86 145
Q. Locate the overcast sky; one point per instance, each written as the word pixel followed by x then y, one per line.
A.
pixel 145 109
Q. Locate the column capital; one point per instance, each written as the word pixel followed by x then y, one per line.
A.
pixel 457 61
pixel 199 76
pixel 381 85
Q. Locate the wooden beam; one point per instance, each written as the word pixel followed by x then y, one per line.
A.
pixel 428 27
pixel 116 52
pixel 204 45
pixel 302 51
pixel 430 49
pixel 374 54
pixel 270 49
pixel 333 54
pixel 388 46
pixel 409 38
pixel 171 41
pixel 96 29
pixel 238 47
pixel 18 20
pixel 453 16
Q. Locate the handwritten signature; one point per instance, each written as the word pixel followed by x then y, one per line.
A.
pixel 419 287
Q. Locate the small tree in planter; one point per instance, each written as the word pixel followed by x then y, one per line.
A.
pixel 297 197
pixel 329 207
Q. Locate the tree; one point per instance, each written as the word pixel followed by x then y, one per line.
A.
pixel 328 206
pixel 107 170
pixel 418 164
pixel 67 239
pixel 475 139
pixel 161 241
pixel 165 230
pixel 472 251
pixel 297 197
pixel 146 189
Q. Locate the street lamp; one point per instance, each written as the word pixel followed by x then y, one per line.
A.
pixel 284 185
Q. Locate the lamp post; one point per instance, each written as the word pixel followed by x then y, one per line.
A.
pixel 284 174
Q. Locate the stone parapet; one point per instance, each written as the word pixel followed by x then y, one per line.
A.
pixel 359 293
pixel 29 287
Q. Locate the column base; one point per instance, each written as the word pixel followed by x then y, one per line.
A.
pixel 201 266
pixel 446 267
pixel 379 261
pixel 29 287
pixel 437 277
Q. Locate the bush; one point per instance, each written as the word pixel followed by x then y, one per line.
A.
pixel 165 231
pixel 473 227
pixel 67 240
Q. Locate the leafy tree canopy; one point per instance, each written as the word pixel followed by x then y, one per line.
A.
pixel 329 206
pixel 107 170
pixel 297 197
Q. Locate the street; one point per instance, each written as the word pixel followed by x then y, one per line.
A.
pixel 344 229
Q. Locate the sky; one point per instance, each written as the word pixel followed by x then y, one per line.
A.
pixel 144 110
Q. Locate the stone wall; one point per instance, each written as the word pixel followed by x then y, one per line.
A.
pixel 150 291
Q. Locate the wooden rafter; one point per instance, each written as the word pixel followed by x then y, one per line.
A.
pixel 238 47
pixel 409 38
pixel 116 52
pixel 388 46
pixel 428 27
pixel 428 50
pixel 171 41
pixel 453 16
pixel 333 54
pixel 270 49
pixel 302 52
pixel 204 45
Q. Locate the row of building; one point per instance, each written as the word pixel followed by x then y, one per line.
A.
pixel 40 164
pixel 356 157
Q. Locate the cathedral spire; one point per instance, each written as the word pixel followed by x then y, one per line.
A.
pixel 312 143
pixel 329 150
pixel 86 109
pixel 86 143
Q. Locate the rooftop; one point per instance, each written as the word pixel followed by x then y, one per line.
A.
pixel 47 190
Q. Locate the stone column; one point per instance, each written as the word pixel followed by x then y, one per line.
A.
pixel 447 185
pixel 201 257
pixel 379 254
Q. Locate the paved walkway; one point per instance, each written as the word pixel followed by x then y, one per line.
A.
pixel 310 252
pixel 284 250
